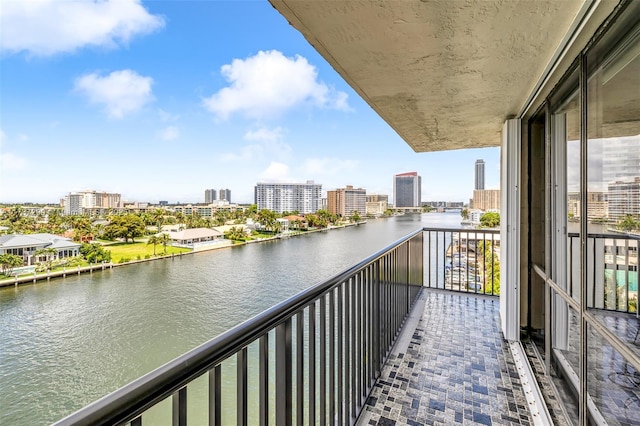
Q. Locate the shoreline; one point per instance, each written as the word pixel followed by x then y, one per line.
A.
pixel 48 276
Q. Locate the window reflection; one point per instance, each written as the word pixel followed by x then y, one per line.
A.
pixel 613 198
pixel 613 204
pixel 613 382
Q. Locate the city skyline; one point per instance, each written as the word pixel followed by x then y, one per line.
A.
pixel 125 108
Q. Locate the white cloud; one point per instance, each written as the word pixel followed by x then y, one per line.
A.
pixel 268 84
pixel 48 27
pixel 167 116
pixel 268 142
pixel 264 134
pixel 8 160
pixel 246 153
pixel 11 162
pixel 169 133
pixel 329 166
pixel 120 92
pixel 276 172
pixel 22 137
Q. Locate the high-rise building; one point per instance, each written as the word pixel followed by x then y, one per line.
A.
pixel 210 195
pixel 407 189
pixel 224 195
pixel 89 201
pixel 620 159
pixel 479 183
pixel 377 198
pixel 486 199
pixel 72 203
pixel 597 205
pixel 377 204
pixel 288 197
pixel 624 198
pixel 344 201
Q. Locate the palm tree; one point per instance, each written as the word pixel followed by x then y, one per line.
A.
pixel 8 262
pixel 49 254
pixel 158 218
pixel 164 239
pixel 267 218
pixel 180 218
pixel 81 226
pixel 46 252
pixel 155 240
pixel 235 233
pixel 628 223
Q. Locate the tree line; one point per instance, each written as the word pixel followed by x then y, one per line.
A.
pixel 129 226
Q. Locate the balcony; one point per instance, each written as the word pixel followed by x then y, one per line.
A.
pixel 396 339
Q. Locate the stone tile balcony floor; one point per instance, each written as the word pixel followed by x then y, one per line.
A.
pixel 449 366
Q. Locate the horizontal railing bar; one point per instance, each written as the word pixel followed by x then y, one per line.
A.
pixel 612 236
pixel 462 230
pixel 134 398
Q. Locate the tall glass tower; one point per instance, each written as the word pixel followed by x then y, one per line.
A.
pixel 479 174
pixel 407 190
pixel 210 195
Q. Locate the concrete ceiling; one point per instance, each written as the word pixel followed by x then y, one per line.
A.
pixel 444 74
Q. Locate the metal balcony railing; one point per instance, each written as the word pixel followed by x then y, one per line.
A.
pixel 612 270
pixel 312 358
pixel 315 357
pixel 466 260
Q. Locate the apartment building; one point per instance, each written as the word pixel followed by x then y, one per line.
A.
pixel 407 189
pixel 288 197
pixel 345 201
pixel 89 202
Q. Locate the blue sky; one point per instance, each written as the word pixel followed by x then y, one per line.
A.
pixel 161 100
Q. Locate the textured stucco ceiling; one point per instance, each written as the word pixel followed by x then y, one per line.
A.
pixel 445 74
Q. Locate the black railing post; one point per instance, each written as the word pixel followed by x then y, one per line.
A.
pixel 283 372
pixel 215 390
pixel 312 363
pixel 408 277
pixel 377 319
pixel 340 353
pixel 241 384
pixel 300 368
pixel 179 408
pixel 263 380
pixel 323 360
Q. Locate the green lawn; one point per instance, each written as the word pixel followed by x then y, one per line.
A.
pixel 131 251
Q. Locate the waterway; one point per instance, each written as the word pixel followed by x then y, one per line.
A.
pixel 66 343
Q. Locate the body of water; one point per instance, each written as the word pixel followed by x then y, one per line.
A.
pixel 68 342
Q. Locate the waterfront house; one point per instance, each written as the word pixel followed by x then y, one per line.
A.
pixel 189 237
pixel 297 222
pixel 284 224
pixel 26 245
